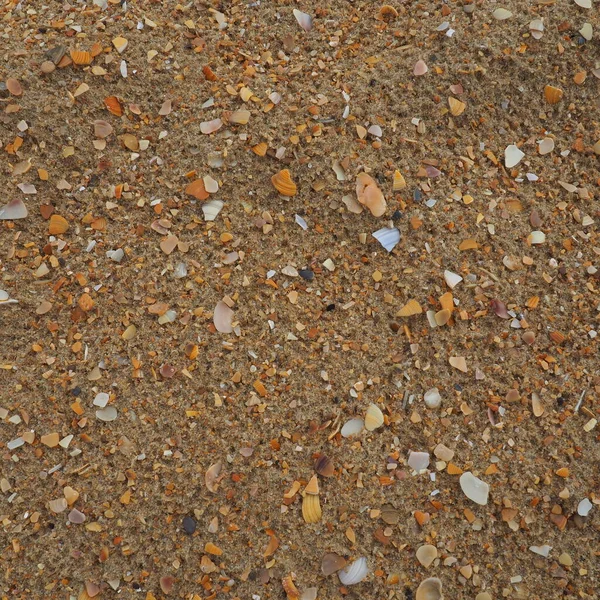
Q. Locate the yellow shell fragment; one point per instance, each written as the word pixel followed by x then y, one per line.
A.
pixel 456 106
pixel 412 307
pixel 283 183
pixel 311 508
pixel 399 181
pixel 373 418
pixel 312 487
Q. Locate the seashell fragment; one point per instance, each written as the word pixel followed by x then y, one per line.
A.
pixel 208 127
pixel 459 362
pixel 15 209
pixel 418 460
pixel 412 307
pixel 541 550
pixel 546 146
pixel 57 225
pixel 304 20
pixel 552 94
pixel 324 466
pixel 355 572
pixel 420 68
pixel 352 205
pixel 107 414
pixel 57 506
pixel 536 238
pixel 512 156
pixel 102 129
pixel 197 189
pixel 239 117
pixel 430 589
pixel 352 427
pixel 210 185
pixel 456 106
pixel 387 13
pixel 501 14
pixel 452 279
pixel 536 27
pixel 474 489
pixel 442 317
pixel 584 507
pixel 260 149
pixel 399 181
pixel 289 587
pixel 222 317
pixel 311 507
pixel 373 418
pixel 370 195
pixel 80 57
pixel 332 563
pixel 388 237
pixel 113 105
pixel 211 476
pixel 211 209
pixel 282 181
pixel 426 554
pixel 584 3
pixel 432 398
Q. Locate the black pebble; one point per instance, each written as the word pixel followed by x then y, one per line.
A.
pixel 330 307
pixel 189 525
pixel 76 391
pixel 417 195
pixel 397 215
pixel 306 274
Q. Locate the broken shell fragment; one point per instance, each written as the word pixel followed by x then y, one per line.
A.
pixel 546 146
pixel 332 563
pixel 452 279
pixel 512 156
pixel 211 476
pixel 355 572
pixel 289 587
pixel 57 225
pixel 211 209
pixel 459 362
pixel 412 307
pixel 426 554
pixel 15 209
pixel 222 318
pixel 304 20
pixel 352 427
pixel 418 460
pixel 474 489
pixel 430 589
pixel 208 127
pixel 501 14
pixel 388 237
pixel 456 106
pixel 399 181
pixel 552 94
pixel 282 181
pixel 370 195
pixel 79 57
pixel 373 418
pixel 324 466
pixel 311 507
pixel 420 68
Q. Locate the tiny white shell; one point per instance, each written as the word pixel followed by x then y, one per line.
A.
pixel 355 572
pixel 541 550
pixel 352 427
pixel 304 20
pixel 207 127
pixel 536 237
pixel 222 317
pixel 452 279
pixel 512 156
pixel 474 489
pixel 418 460
pixel 426 554
pixel 501 14
pixel 584 507
pixel 373 418
pixel 109 413
pixel 388 237
pixel 211 209
pixel 210 185
pixel 432 398
pixel 546 146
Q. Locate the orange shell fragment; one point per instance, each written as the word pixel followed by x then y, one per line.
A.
pixel 57 225
pixel 552 94
pixel 196 188
pixel 81 57
pixel 113 105
pixel 283 183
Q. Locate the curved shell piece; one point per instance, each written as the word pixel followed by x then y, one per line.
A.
pixel 282 181
pixel 552 94
pixel 81 57
pixel 312 487
pixel 352 427
pixel 304 20
pixel 57 225
pixel 456 106
pixel 222 317
pixel 430 589
pixel 370 195
pixel 311 508
pixel 355 572
pixel 291 591
pixel 426 554
pixel 324 466
pixel 388 237
pixel 332 563
pixel 373 418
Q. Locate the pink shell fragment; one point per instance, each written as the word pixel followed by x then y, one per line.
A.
pixel 15 209
pixel 420 68
pixel 500 309
pixel 222 318
pixel 207 127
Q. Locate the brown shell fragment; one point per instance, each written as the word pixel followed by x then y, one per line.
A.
pixel 211 476
pixel 282 181
pixel 196 188
pixel 370 195
pixel 291 591
pixel 332 563
pixel 324 466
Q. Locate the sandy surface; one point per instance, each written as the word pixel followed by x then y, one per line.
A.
pixel 117 276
